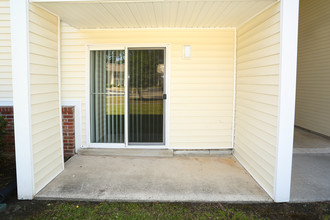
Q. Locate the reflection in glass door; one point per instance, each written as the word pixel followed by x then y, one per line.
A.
pixel 107 96
pixel 146 103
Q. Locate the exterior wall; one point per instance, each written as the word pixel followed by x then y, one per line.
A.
pixel 313 70
pixel 44 91
pixel 201 88
pixel 68 126
pixel 258 49
pixel 8 139
pixel 5 52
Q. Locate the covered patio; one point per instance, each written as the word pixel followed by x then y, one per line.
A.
pixel 135 178
pixel 228 70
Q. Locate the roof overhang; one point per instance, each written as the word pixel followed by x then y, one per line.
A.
pixel 105 14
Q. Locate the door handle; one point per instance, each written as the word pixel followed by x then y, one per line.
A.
pixel 164 96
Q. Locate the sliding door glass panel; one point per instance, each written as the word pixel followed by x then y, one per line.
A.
pixel 107 96
pixel 146 104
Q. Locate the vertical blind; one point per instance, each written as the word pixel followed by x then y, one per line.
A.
pixel 107 95
pixel 146 84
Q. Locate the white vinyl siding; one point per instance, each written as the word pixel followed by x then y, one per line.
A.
pixel 5 52
pixel 313 70
pixel 201 87
pixel 258 51
pixel 44 89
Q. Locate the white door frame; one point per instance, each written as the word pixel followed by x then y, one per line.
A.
pixel 166 91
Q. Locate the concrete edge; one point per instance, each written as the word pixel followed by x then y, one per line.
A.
pixel 126 152
pixel 212 153
pixel 311 150
pixel 156 200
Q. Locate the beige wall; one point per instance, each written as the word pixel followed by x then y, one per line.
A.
pixel 44 89
pixel 201 88
pixel 5 52
pixel 313 70
pixel 258 50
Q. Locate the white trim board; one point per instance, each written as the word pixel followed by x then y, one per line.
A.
pixel 234 90
pixel 19 17
pixel 125 47
pixel 4 103
pixel 77 121
pixel 286 103
pixel 59 81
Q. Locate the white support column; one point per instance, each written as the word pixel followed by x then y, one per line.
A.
pixel 19 15
pixel 287 95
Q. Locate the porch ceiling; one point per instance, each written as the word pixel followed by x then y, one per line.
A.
pixel 154 13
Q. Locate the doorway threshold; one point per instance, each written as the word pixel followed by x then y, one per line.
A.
pixel 126 152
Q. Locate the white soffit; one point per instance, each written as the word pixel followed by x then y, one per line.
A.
pixel 154 14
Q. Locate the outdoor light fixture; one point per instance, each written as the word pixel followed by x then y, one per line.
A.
pixel 186 51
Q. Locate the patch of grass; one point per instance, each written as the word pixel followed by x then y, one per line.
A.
pixel 85 210
pixel 116 106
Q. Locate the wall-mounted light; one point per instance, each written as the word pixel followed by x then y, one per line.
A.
pixel 186 51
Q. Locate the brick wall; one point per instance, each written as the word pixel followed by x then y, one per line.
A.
pixel 68 130
pixel 8 139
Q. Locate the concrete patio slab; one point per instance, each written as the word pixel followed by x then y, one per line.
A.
pixel 193 179
pixel 310 178
pixel 310 167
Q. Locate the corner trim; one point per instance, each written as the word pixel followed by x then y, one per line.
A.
pixel 286 102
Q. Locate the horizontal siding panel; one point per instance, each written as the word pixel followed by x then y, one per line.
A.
pixel 201 120
pixel 207 145
pixel 263 43
pixel 35 38
pixel 253 167
pixel 43 79
pixel 35 18
pixel 45 109
pixel 200 100
pixel 202 87
pixel 45 125
pixel 192 113
pixel 262 34
pixel 258 56
pixel 264 147
pixel 265 61
pixel 42 136
pixel 5 52
pixel 267 51
pixel 43 149
pixel 38 29
pixel 260 107
pixel 262 156
pixel 262 89
pixel 200 127
pixel 43 116
pixel 260 19
pixel 43 179
pixel 45 106
pixel 40 49
pixel 40 162
pixel 43 59
pixel 46 69
pixel 196 139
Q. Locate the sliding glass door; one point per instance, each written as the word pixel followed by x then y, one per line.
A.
pixel 107 96
pixel 144 96
pixel 146 93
